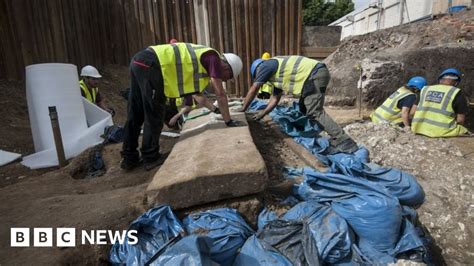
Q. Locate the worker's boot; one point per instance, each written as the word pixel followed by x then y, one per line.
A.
pixel 129 165
pixel 150 165
pixel 345 146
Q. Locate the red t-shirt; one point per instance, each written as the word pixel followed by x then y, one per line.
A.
pixel 211 61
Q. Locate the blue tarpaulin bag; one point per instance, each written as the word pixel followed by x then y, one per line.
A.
pixel 258 252
pixel 190 250
pixel 331 232
pixel 113 134
pixel 155 229
pixel 225 227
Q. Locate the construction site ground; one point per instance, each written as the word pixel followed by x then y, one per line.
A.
pixel 62 198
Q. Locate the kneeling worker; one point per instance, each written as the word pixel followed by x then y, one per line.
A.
pixel 302 76
pixel 89 90
pixel 170 71
pixel 397 108
pixel 442 109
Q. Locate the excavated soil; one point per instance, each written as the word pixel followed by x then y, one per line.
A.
pixel 444 168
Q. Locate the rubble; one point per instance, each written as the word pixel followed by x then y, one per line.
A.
pixel 446 176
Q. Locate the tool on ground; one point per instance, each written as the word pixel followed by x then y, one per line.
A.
pixel 53 114
pixel 359 86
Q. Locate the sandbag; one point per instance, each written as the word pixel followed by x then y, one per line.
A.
pixel 331 232
pixel 399 183
pixel 372 212
pixel 292 239
pixel 258 252
pixel 225 227
pixel 155 229
pixel 190 250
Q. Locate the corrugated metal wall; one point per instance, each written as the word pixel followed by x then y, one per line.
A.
pixel 100 32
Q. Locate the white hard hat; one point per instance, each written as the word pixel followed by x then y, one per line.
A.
pixel 235 63
pixel 90 71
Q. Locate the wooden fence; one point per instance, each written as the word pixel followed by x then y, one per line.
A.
pixel 100 32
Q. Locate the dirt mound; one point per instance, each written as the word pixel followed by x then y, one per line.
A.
pixel 445 173
pixel 391 56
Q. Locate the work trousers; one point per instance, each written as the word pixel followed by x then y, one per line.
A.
pixel 146 106
pixel 312 101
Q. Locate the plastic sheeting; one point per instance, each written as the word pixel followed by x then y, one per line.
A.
pixel 293 122
pixel 292 239
pixel 80 121
pixel 331 233
pixel 369 208
pixel 258 252
pixel 190 250
pixel 7 157
pixel 155 229
pixel 225 227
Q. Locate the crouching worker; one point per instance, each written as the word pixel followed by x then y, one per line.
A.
pixel 442 109
pixel 89 82
pixel 307 78
pixel 398 108
pixel 170 71
pixel 178 109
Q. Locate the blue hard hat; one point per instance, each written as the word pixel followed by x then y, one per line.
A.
pixel 253 67
pixel 417 82
pixel 451 71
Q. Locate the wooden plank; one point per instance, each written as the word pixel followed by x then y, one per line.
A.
pixel 157 33
pixel 234 41
pixel 291 27
pixel 192 21
pixel 56 30
pixel 220 26
pixel 260 27
pixel 300 25
pixel 177 20
pixel 12 58
pixel 165 20
pixel 248 48
pixel 286 34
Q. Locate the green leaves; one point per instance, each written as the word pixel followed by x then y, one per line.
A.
pixel 321 12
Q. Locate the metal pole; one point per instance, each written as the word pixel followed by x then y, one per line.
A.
pixel 53 114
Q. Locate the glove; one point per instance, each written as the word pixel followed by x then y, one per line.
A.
pixel 232 123
pixel 258 116
pixel 216 111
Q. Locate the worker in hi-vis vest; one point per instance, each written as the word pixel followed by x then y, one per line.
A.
pixel 170 71
pixel 89 90
pixel 301 76
pixel 442 109
pixel 266 89
pixel 400 105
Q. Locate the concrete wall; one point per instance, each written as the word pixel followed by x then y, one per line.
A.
pixel 383 14
pixel 321 36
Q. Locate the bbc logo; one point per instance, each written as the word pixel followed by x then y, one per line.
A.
pixel 42 237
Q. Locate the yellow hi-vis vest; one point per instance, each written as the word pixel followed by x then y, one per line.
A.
pixel 90 95
pixel 266 88
pixel 181 67
pixel 389 112
pixel 434 116
pixel 292 72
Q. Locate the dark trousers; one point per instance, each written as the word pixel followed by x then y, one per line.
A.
pixel 312 101
pixel 146 106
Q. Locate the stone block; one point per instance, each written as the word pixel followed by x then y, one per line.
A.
pixel 211 162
